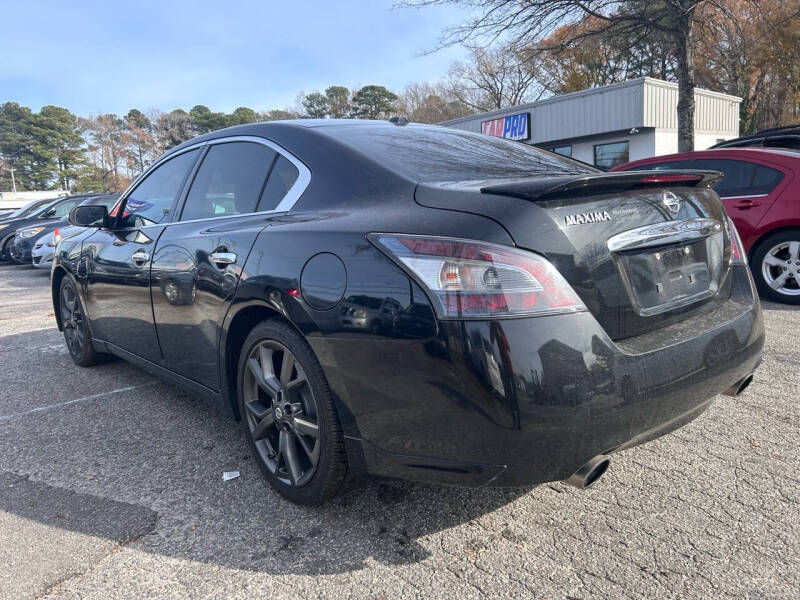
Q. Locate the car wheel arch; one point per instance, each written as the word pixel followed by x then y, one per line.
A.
pixel 234 335
pixel 55 285
pixel 763 235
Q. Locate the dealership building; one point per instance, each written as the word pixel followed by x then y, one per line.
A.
pixel 613 124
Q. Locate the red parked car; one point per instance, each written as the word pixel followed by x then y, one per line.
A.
pixel 761 192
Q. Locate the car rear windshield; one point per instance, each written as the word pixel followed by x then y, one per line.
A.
pixel 439 154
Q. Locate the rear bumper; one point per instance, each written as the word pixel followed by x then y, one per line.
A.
pixel 524 401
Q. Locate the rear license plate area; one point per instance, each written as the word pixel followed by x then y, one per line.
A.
pixel 665 278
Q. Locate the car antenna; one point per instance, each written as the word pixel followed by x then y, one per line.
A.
pixel 399 121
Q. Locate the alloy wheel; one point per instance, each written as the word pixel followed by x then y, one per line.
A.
pixel 72 320
pixel 281 413
pixel 781 268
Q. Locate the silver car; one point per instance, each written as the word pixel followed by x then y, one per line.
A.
pixel 45 247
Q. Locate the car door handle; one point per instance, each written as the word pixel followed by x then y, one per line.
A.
pixel 140 256
pixel 223 258
pixel 745 204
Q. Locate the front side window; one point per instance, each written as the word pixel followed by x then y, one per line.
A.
pixel 62 209
pixel 151 201
pixel 611 155
pixel 230 180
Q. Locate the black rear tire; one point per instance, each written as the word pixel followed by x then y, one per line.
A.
pixel 75 326
pixel 323 471
pixel 778 256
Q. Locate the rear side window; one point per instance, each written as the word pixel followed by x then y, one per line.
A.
pixel 437 154
pixel 152 199
pixel 765 180
pixel 230 180
pixel 281 179
pixel 741 178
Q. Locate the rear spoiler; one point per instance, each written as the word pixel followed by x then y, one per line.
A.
pixel 567 186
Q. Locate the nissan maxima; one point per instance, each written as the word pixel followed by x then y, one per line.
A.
pixel 407 301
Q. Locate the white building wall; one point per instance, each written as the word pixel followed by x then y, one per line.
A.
pixel 640 145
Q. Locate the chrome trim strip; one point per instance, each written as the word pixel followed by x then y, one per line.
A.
pixel 289 200
pixel 746 196
pixel 660 234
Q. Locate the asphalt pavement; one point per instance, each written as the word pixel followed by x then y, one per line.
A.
pixel 111 487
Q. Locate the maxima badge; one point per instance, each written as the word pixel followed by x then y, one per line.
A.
pixel 588 217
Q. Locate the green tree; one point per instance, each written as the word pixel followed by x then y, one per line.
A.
pixel 338 100
pixel 25 144
pixel 315 105
pixel 62 137
pixel 373 102
pixel 277 114
pixel 242 115
pixel 204 120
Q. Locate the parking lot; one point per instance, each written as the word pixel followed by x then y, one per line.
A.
pixel 111 486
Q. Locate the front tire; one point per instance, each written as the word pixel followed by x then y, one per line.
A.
pixel 775 265
pixel 289 416
pixel 76 327
pixel 5 251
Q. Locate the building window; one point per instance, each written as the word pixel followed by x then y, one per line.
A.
pixel 562 150
pixel 611 155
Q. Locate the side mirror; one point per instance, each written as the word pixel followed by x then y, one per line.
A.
pixel 93 215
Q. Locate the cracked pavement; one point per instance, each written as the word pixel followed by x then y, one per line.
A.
pixel 111 487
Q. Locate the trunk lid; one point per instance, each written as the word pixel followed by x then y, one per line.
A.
pixel 643 250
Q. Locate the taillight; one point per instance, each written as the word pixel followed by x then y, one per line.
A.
pixel 56 237
pixel 738 256
pixel 470 279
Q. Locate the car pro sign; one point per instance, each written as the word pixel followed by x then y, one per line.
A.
pixel 512 127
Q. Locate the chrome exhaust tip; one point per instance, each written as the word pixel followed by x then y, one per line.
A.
pixel 590 472
pixel 740 386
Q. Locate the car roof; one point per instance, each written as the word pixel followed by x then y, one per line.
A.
pixel 743 152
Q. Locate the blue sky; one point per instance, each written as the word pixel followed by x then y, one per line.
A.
pixel 96 57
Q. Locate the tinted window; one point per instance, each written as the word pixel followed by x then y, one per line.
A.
pixel 230 180
pixel 152 199
pixel 738 175
pixel 281 179
pixel 609 156
pixel 439 154
pixel 765 180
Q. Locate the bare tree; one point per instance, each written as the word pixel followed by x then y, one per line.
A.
pixel 430 103
pixel 495 78
pixel 527 24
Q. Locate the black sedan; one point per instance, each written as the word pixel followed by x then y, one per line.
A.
pixel 414 302
pixel 34 223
